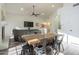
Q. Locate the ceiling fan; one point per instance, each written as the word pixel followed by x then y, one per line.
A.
pixel 34 13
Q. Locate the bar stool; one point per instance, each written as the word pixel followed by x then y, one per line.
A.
pixel 58 44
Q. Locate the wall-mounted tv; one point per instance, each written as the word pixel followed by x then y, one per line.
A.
pixel 28 24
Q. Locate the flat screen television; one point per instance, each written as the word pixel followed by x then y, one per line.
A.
pixel 28 24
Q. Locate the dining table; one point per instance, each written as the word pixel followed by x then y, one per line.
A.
pixel 36 39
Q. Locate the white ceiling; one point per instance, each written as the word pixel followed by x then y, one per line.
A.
pixel 46 8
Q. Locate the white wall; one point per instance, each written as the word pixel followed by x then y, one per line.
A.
pixel 69 16
pixel 53 22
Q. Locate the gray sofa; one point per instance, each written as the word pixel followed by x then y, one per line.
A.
pixel 18 33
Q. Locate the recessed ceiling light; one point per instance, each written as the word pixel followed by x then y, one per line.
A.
pixel 22 9
pixel 53 5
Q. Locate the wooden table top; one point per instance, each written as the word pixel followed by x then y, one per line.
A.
pixel 36 38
